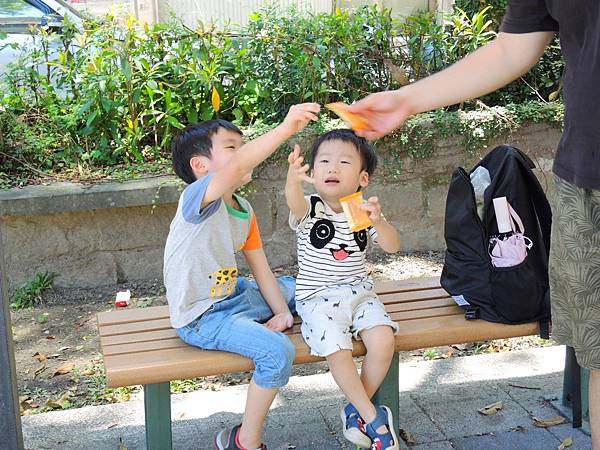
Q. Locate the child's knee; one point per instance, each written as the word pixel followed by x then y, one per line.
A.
pixel 278 360
pixel 385 342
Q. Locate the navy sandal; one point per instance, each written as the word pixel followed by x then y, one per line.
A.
pixel 385 441
pixel 354 427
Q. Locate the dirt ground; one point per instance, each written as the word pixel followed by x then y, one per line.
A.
pixel 57 347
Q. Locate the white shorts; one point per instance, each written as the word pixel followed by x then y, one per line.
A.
pixel 332 318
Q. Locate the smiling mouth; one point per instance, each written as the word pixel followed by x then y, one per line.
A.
pixel 340 255
pixel 332 181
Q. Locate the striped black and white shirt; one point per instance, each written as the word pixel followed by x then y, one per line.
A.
pixel 329 253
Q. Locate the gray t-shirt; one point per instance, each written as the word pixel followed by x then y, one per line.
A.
pixel 199 262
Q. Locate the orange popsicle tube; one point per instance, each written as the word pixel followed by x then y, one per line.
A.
pixel 358 219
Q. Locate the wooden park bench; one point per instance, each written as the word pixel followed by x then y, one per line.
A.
pixel 140 347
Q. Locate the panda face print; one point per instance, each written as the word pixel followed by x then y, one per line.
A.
pixel 323 234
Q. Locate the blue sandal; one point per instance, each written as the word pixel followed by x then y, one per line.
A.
pixel 385 441
pixel 354 427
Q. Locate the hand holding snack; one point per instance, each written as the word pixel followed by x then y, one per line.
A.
pixel 358 218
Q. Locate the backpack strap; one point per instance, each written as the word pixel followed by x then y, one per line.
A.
pixel 545 329
pixel 472 312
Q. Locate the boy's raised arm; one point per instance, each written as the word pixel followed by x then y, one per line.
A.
pixel 294 195
pixel 251 154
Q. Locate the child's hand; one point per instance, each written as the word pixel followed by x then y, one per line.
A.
pixel 373 207
pixel 297 172
pixel 280 322
pixel 300 115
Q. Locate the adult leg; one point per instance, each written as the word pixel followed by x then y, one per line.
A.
pixel 595 408
pixel 379 342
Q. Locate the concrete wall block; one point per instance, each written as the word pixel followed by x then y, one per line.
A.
pixel 140 264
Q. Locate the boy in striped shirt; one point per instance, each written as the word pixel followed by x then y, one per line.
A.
pixel 334 292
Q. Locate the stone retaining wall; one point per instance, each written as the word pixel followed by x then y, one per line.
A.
pixel 115 232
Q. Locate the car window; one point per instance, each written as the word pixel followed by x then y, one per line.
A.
pixel 19 9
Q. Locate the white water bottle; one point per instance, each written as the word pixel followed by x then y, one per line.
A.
pixel 502 215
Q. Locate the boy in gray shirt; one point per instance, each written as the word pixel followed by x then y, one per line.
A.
pixel 210 307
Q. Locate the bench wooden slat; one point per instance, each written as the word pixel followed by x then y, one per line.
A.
pixel 382 288
pixel 158 366
pixel 154 319
pixel 135 327
pixel 144 336
pixel 132 334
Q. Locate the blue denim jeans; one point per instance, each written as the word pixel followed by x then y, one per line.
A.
pixel 234 325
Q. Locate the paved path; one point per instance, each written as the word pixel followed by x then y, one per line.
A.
pixel 438 405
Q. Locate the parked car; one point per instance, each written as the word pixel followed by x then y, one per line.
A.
pixel 18 16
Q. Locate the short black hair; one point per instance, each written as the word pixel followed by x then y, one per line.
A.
pixel 365 149
pixel 196 140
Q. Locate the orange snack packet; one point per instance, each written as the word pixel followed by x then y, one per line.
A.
pixel 358 219
pixel 354 121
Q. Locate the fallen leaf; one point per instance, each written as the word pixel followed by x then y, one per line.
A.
pixel 112 425
pixel 40 356
pixel 519 428
pixel 552 421
pixel 39 370
pixel 88 372
pixel 566 443
pixel 65 368
pixel 407 437
pixel 62 349
pixel 24 403
pixel 491 409
pixel 50 337
pixel 63 402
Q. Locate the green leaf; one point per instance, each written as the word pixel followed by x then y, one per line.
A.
pixel 176 123
pixel 126 68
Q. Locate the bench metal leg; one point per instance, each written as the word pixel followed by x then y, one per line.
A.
pixel 157 407
pixel 388 393
pixel 575 389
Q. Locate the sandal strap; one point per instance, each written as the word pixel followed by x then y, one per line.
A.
pixel 381 419
pixel 349 410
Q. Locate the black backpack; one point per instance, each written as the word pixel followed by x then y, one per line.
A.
pixel 510 295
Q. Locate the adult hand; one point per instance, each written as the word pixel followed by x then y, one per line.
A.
pixel 383 112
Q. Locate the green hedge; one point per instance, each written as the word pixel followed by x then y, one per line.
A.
pixel 110 101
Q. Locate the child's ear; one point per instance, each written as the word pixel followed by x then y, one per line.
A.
pixel 199 165
pixel 364 179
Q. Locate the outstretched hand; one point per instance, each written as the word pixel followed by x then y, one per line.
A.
pixel 299 116
pixel 382 112
pixel 297 171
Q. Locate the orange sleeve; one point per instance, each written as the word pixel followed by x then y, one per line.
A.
pixel 254 241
